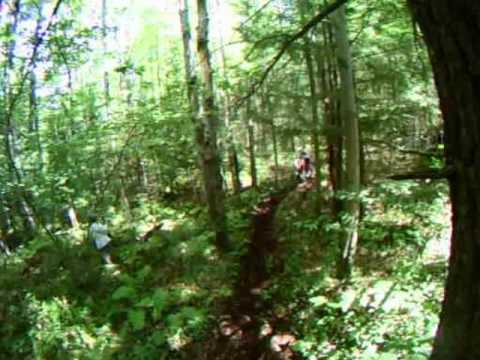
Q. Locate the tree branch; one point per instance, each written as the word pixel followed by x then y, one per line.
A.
pixel 254 15
pixel 294 37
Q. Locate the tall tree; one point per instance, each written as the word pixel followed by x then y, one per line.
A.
pixel 208 146
pixel 202 105
pixel 352 148
pixel 451 30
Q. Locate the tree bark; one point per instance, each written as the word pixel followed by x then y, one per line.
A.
pixel 210 158
pixel 327 70
pixel 205 119
pixel 352 148
pixel 451 30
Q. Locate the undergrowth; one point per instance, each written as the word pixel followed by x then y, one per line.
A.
pixel 164 297
pixel 389 309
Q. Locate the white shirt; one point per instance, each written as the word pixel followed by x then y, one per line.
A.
pixel 98 233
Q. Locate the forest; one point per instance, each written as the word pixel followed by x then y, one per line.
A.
pixel 239 179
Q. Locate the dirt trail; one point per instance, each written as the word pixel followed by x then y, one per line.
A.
pixel 251 329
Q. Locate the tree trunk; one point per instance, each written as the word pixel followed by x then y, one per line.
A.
pixel 210 158
pixel 314 112
pixel 233 162
pixel 251 144
pixel 267 104
pixel 142 177
pixel 315 124
pixel 352 148
pixel 11 141
pixel 328 83
pixel 451 30
pixel 106 79
pixel 34 121
pixel 205 119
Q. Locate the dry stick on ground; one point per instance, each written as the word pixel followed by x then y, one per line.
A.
pixel 298 35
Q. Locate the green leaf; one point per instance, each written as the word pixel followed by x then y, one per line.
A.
pixel 137 319
pixel 124 292
pixel 145 302
pixel 158 338
pixel 160 301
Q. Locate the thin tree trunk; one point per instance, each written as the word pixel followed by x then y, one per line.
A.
pixel 451 30
pixel 106 79
pixel 352 149
pixel 34 119
pixel 233 161
pixel 315 122
pixel 251 143
pixel 314 112
pixel 273 129
pixel 142 177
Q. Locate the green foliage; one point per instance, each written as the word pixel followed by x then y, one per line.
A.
pixel 404 213
pixel 164 292
pixel 60 329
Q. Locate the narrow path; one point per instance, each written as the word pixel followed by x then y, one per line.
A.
pixel 251 330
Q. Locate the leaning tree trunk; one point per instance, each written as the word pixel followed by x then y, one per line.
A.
pixel 451 30
pixel 352 153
